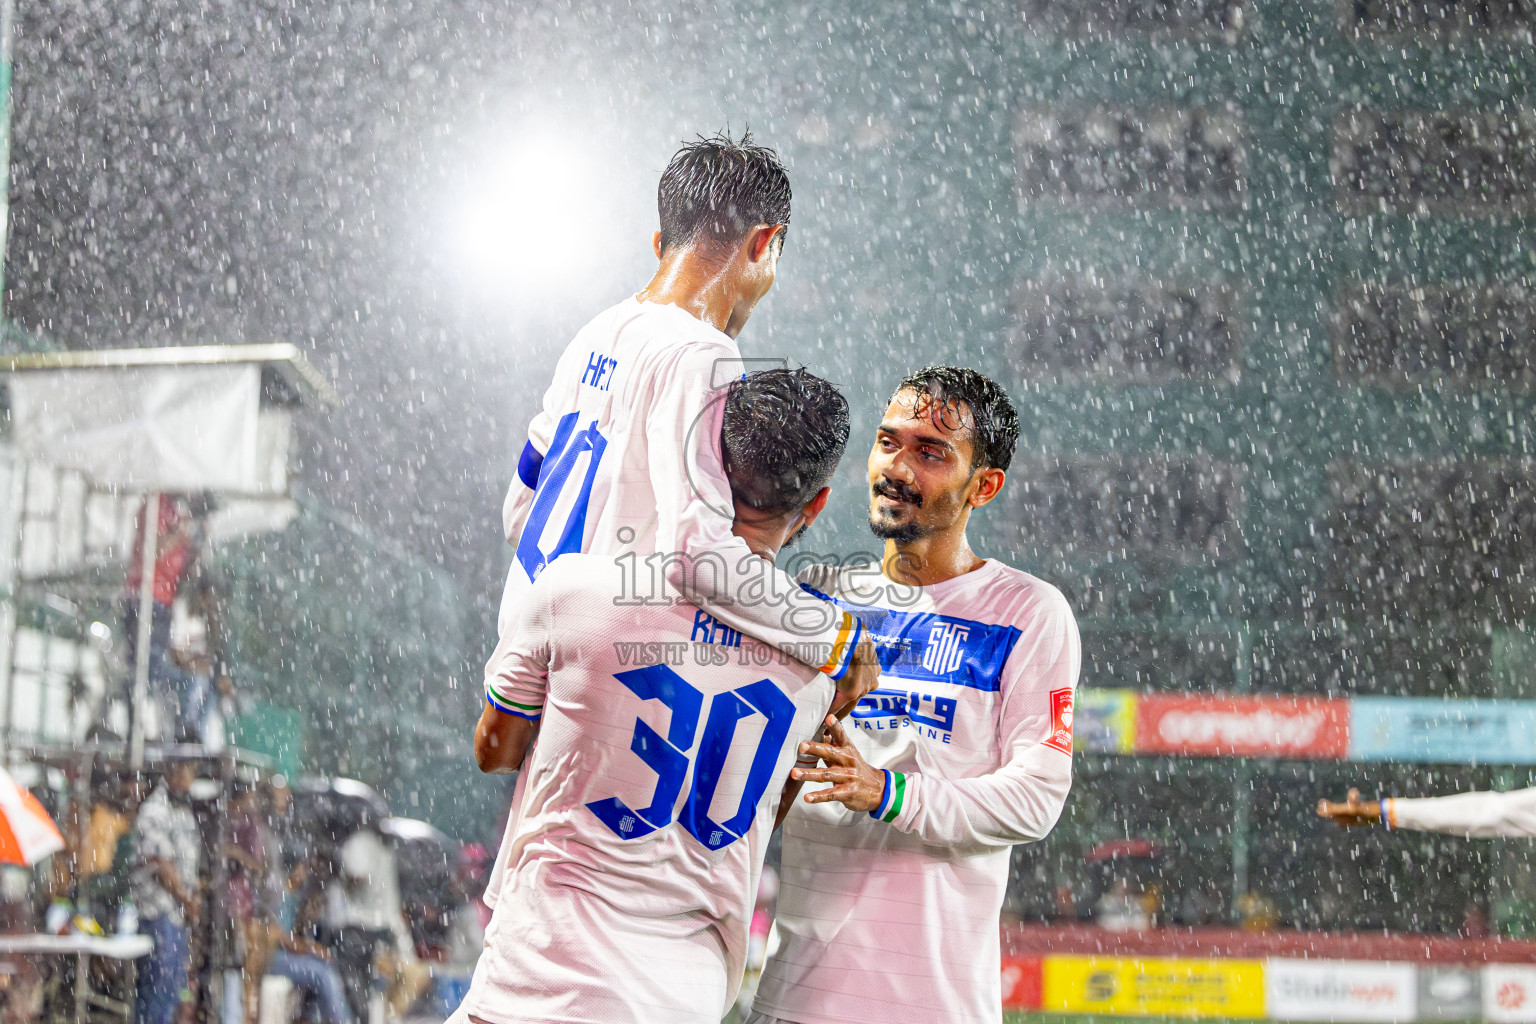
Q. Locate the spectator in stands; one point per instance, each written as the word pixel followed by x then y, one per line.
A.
pixel 297 956
pixel 165 890
pixel 107 857
pixel 367 898
pixel 180 525
pixel 311 968
pixel 245 856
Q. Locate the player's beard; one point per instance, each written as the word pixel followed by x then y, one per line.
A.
pixel 901 533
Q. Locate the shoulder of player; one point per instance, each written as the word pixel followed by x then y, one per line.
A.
pixel 1028 598
pixel 830 579
pixel 671 336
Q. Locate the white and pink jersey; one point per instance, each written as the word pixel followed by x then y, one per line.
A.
pixel 632 862
pixel 892 916
pixel 1479 815
pixel 623 458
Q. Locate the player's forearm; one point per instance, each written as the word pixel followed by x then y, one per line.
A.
pixel 752 596
pixel 502 741
pixel 1016 804
pixel 1479 815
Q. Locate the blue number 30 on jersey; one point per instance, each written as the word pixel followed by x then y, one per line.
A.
pixel 670 757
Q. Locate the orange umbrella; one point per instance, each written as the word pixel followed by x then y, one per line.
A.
pixel 27 834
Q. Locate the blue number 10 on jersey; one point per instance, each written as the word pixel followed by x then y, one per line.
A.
pixel 670 756
pixel 565 451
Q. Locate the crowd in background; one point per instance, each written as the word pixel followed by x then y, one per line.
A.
pixel 312 894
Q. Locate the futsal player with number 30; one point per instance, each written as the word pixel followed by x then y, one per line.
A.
pixel 632 859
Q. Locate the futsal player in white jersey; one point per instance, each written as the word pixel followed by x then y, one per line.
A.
pixel 665 739
pixel 623 457
pixel 895 860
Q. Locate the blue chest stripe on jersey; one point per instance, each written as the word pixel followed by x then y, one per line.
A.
pixel 935 648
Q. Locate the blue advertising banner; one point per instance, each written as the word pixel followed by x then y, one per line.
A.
pixel 1429 729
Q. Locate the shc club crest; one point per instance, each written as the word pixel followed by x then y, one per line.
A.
pixel 945 648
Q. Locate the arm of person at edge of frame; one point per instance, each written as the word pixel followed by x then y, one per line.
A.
pixel 1478 815
pixel 516 683
pixel 683 442
pixel 1017 802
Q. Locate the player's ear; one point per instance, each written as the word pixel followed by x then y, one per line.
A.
pixel 988 484
pixel 814 507
pixel 760 241
pixel 656 244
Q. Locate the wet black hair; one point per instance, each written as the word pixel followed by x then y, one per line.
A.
pixel 720 188
pixel 782 434
pixel 996 432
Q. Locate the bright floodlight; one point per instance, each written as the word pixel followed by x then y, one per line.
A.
pixel 530 215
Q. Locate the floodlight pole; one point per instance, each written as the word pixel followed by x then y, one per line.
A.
pixel 149 542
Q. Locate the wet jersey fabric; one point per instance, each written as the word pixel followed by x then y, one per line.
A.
pixel 892 916
pixel 1479 815
pixel 623 458
pixel 632 859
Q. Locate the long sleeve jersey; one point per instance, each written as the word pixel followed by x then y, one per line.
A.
pixel 1479 815
pixel 623 459
pixel 633 860
pixel 893 915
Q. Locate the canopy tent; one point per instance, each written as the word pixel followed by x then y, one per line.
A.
pixel 168 419
pixel 207 418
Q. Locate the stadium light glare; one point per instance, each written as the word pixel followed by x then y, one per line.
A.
pixel 528 215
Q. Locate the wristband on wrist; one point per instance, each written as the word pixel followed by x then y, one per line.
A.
pixel 892 798
pixel 1384 809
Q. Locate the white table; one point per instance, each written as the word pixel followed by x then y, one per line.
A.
pixel 82 948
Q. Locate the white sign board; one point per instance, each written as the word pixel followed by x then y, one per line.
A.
pixel 170 428
pixel 1340 990
pixel 1509 994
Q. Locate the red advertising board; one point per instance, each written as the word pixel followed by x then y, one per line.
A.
pixel 1022 976
pixel 1242 726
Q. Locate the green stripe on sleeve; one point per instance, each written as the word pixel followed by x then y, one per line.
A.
pixel 499 699
pixel 898 798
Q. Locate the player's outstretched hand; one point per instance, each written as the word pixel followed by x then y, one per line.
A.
pixel 1352 812
pixel 862 677
pixel 855 784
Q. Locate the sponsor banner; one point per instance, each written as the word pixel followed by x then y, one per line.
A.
pixel 1427 729
pixel 1242 726
pixel 1105 721
pixel 1340 990
pixel 1153 986
pixel 1449 993
pixel 1022 976
pixel 1509 994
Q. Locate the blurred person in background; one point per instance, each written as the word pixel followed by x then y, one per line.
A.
pixel 245 856
pixel 289 930
pixel 107 859
pixel 365 898
pixel 165 891
pixel 181 529
pixel 1485 815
